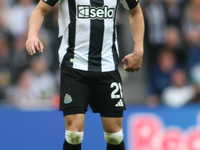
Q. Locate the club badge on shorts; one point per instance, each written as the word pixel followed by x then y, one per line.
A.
pixel 67 99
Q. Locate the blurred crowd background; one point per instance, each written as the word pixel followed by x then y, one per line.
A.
pixel 171 67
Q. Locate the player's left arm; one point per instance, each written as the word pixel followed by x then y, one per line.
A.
pixel 133 61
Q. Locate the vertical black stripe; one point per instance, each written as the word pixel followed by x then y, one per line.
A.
pixel 114 49
pixel 96 39
pixel 71 37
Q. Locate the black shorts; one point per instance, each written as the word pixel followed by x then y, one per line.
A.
pixel 101 90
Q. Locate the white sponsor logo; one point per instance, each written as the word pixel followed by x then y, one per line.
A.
pixel 67 99
pixel 119 103
pixel 88 12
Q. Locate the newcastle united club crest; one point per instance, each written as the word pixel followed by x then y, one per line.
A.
pixel 67 99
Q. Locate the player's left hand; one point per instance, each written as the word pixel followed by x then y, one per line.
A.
pixel 132 62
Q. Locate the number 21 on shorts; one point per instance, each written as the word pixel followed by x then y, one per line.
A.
pixel 117 87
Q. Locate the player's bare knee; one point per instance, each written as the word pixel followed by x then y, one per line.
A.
pixel 114 138
pixel 73 138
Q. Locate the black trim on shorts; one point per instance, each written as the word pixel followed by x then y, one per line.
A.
pixel 73 111
pixel 112 114
pixel 109 114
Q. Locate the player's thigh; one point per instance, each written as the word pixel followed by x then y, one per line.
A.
pixel 75 122
pixel 112 125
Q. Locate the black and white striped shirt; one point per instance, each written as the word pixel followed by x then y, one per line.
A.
pixel 87 28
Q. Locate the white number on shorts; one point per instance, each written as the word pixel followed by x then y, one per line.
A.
pixel 117 87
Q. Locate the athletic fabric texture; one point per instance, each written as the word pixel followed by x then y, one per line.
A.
pixel 101 90
pixel 87 28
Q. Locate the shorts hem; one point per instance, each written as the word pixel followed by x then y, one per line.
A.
pixel 111 114
pixel 73 111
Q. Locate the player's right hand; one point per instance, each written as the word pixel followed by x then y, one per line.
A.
pixel 34 44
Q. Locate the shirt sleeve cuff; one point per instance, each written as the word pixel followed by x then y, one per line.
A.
pixel 50 2
pixel 133 5
pixel 129 4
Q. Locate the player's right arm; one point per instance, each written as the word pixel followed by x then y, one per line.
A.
pixel 33 43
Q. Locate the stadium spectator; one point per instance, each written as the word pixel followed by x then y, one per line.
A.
pixel 160 75
pixel 191 30
pixel 4 32
pixel 35 87
pixel 19 58
pixel 4 12
pixel 21 94
pixel 174 12
pixel 156 23
pixel 173 41
pixel 191 17
pixel 19 14
pixel 193 49
pixel 44 81
pixel 179 93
